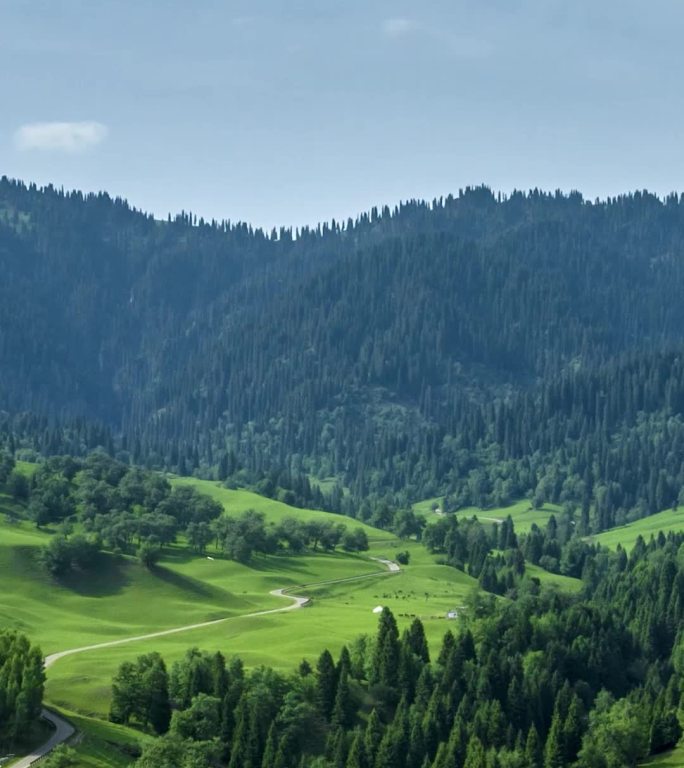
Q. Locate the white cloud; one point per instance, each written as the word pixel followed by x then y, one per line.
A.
pixel 60 137
pixel 398 27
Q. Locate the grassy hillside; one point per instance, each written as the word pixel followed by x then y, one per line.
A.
pixel 564 583
pixel 101 744
pixel 626 535
pixel 338 614
pixel 121 599
pixel 672 759
pixel 522 513
pixel 237 501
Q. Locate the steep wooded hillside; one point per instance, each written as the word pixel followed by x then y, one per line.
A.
pixel 482 347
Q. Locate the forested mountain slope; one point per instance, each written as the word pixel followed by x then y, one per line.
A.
pixel 481 347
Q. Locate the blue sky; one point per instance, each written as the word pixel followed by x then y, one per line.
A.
pixel 291 112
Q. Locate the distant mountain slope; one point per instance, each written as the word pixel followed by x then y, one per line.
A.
pixel 390 351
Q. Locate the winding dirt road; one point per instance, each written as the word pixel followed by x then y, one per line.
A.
pixel 64 730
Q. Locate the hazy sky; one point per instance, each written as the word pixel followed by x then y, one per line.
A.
pixel 294 111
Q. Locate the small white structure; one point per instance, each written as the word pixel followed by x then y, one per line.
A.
pixel 209 557
pixel 453 614
pixel 377 609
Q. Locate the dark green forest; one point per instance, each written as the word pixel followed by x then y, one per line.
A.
pixel 477 347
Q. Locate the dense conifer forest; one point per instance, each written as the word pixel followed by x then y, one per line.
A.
pixel 478 347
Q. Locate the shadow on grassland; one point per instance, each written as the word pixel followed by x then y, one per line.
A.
pixel 285 564
pixel 109 575
pixel 185 583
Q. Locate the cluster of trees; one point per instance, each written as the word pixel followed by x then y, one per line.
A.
pixel 127 509
pixel 496 555
pixel 240 537
pixel 547 681
pixel 21 688
pixel 6 466
pixel 112 505
pixel 64 554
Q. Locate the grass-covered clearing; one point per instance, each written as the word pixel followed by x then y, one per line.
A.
pixel 626 535
pixel 564 583
pixel 672 759
pixel 522 513
pixel 237 501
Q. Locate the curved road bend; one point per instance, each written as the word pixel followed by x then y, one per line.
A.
pixel 64 729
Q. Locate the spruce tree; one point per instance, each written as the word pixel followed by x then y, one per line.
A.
pixel 357 754
pixel 476 756
pixel 326 684
pixel 271 748
pixel 554 756
pixel 418 641
pixel 372 736
pixel 219 676
pixel 573 728
pixel 386 657
pixel 533 748
pixel 343 709
pixel 240 744
pixel 158 706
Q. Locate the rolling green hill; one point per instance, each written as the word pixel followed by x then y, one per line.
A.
pixel 236 501
pixel 123 599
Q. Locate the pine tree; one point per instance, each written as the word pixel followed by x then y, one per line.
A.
pixel 240 744
pixel 357 754
pixel 156 691
pixel 386 657
pixel 343 709
pixel 336 748
pixel 418 642
pixel 326 684
pixel 553 749
pixel 448 645
pixel 344 662
pixel 475 755
pixel 532 749
pixel 456 745
pixel 271 749
pixel 372 736
pixel 573 728
pixel 219 676
pixel 416 744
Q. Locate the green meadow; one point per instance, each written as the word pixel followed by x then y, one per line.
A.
pixel 522 513
pixel 338 614
pixel 563 583
pixel 672 759
pixel 122 599
pixel 626 535
pixel 237 501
